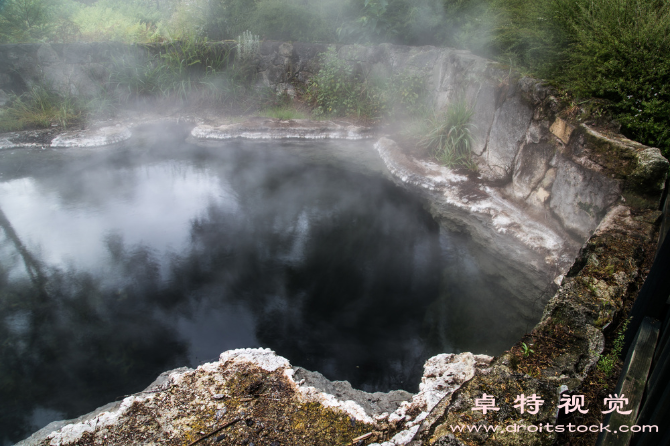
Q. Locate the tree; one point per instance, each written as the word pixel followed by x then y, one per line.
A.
pixel 26 20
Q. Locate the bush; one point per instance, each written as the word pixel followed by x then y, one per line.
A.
pixel 621 52
pixel 404 94
pixel 531 35
pixel 617 50
pixel 26 20
pixel 337 90
pixel 456 23
pixel 291 21
pixel 100 22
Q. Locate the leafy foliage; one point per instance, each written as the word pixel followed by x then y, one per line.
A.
pixel 621 52
pixel 616 50
pixel 248 46
pixel 530 35
pixel 186 70
pixel 26 20
pixel 103 21
pixel 404 93
pixel 337 90
pixel 527 351
pixel 422 22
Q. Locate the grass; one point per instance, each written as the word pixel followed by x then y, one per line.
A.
pixel 448 136
pixel 283 113
pixel 40 107
pixel 190 70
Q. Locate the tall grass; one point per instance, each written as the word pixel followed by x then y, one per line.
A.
pixel 41 107
pixel 449 136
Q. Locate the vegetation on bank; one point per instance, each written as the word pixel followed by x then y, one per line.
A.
pixel 41 107
pixel 448 136
pixel 615 50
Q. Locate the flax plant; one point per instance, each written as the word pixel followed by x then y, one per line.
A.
pixel 449 136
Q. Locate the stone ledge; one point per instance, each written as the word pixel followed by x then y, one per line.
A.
pixel 261 128
pixel 95 137
pixel 92 138
pixel 258 388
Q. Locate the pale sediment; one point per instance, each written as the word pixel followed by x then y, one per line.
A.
pixel 97 137
pixel 92 138
pixel 283 129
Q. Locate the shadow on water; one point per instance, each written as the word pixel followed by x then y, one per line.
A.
pixel 119 263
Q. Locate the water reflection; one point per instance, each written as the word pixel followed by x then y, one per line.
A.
pixel 117 264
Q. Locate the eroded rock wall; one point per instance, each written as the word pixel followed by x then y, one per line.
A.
pixel 522 145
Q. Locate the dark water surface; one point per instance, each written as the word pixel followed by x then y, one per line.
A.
pixel 119 263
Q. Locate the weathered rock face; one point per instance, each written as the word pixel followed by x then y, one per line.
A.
pixel 522 145
pixel 580 197
pixel 255 396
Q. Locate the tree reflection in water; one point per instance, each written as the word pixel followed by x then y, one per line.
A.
pixel 332 269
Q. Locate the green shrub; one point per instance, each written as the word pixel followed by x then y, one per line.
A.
pixel 617 50
pixel 404 94
pixel 27 20
pixel 248 46
pixel 291 21
pixel 531 35
pixel 337 90
pixel 456 23
pixel 621 52
pixel 449 137
pixel 100 22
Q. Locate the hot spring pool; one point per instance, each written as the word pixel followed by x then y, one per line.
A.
pixel 119 263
